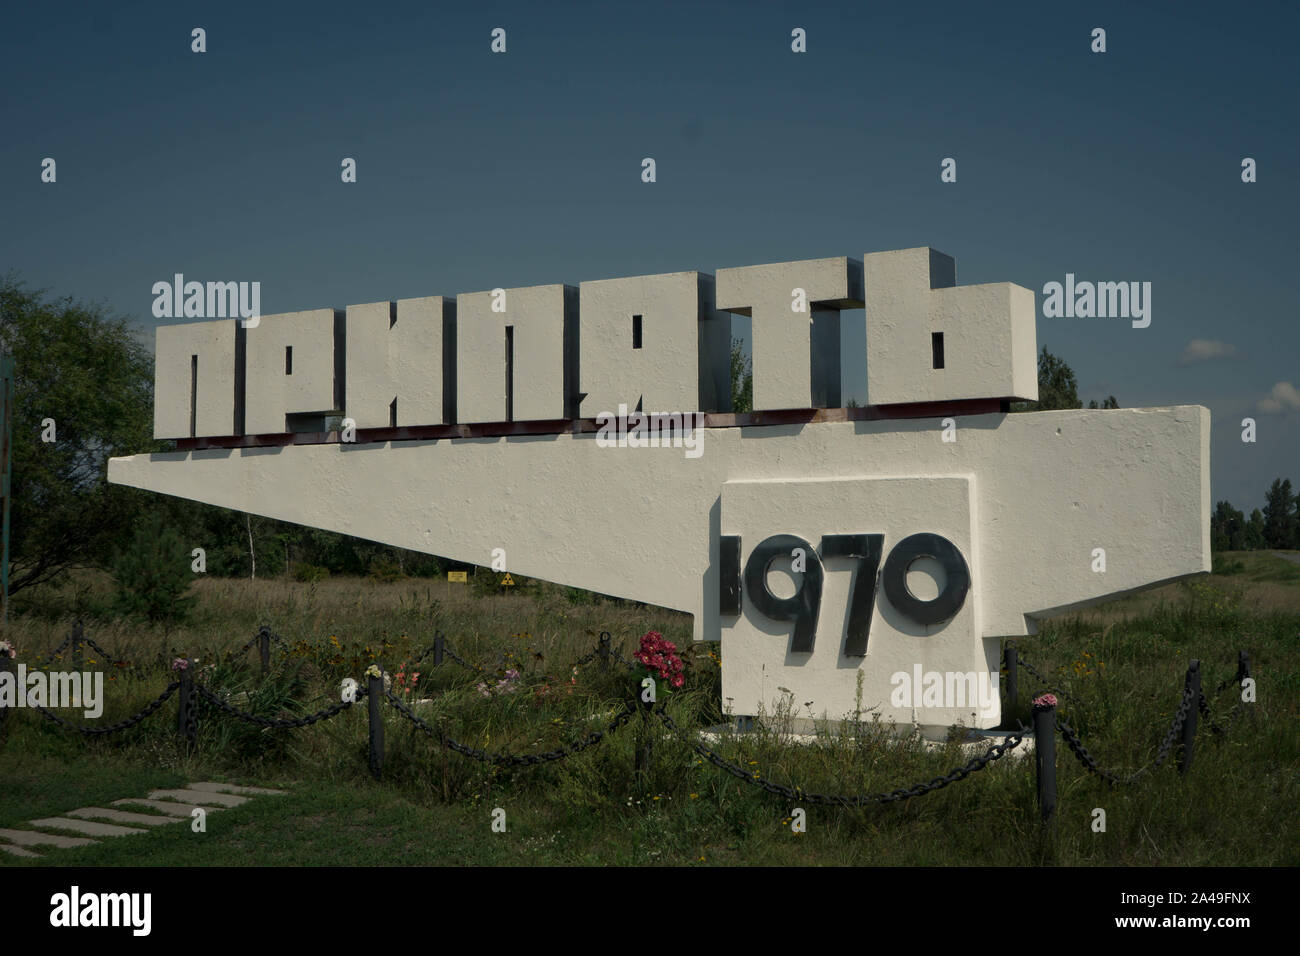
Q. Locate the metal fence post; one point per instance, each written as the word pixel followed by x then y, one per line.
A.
pixel 644 758
pixel 185 722
pixel 375 702
pixel 1191 682
pixel 603 650
pixel 1243 665
pixel 439 647
pixel 1045 757
pixel 264 647
pixel 1010 660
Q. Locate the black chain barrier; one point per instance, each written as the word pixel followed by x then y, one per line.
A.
pixel 269 633
pixel 512 760
pixel 281 723
pixel 1041 679
pixel 1076 746
pixel 54 653
pixel 584 659
pixel 798 794
pixel 120 725
pixel 429 650
pixel 101 652
pixel 1204 704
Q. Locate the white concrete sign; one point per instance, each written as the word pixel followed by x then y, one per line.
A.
pixel 830 550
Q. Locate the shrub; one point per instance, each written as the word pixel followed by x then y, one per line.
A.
pixel 310 572
pixel 153 575
pixel 384 568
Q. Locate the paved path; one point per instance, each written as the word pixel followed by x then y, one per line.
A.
pixel 1288 557
pixel 88 823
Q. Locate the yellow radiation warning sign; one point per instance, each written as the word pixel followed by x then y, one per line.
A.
pixel 507 581
pixel 459 577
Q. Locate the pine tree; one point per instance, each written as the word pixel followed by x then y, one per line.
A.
pixel 154 573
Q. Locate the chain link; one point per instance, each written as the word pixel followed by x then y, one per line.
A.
pixel 798 794
pixel 512 760
pixel 1204 706
pixel 108 658
pixel 271 634
pixel 1041 679
pixel 278 723
pixel 54 653
pixel 120 725
pixel 584 659
pixel 1089 762
pixel 446 649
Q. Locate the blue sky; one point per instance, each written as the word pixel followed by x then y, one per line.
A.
pixel 478 170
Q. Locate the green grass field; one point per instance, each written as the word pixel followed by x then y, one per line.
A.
pixel 1124 662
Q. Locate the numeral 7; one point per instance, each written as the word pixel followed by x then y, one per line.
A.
pixel 867 549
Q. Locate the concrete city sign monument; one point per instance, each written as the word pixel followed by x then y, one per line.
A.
pixel 830 549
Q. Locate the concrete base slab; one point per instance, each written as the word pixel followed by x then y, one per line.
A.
pixel 209 787
pixel 120 816
pixel 33 838
pixel 85 826
pixel 202 797
pixel 976 742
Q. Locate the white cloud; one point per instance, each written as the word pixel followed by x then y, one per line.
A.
pixel 1284 396
pixel 1203 350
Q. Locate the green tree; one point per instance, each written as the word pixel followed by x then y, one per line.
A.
pixel 1227 528
pixel 1280 522
pixel 742 379
pixel 1255 531
pixel 1057 388
pixel 154 574
pixel 83 379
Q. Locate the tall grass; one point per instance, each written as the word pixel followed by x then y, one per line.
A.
pixel 1122 669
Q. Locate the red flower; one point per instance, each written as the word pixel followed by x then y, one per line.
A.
pixel 659 656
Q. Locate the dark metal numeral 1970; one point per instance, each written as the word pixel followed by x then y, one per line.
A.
pixel 867 550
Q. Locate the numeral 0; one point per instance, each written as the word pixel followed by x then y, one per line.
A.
pixel 866 549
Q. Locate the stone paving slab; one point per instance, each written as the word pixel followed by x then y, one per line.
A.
pixel 17 850
pixel 209 787
pixel 166 806
pixel 120 816
pixel 172 805
pixel 85 826
pixel 199 796
pixel 32 838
